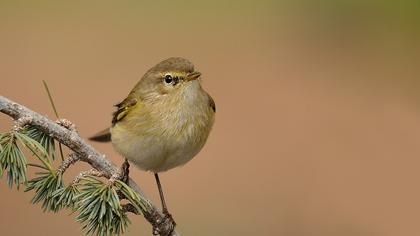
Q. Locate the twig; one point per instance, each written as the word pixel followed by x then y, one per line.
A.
pixel 21 122
pixel 129 208
pixel 73 158
pixel 83 174
pixel 86 153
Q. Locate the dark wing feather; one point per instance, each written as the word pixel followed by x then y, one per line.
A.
pixel 122 109
pixel 103 136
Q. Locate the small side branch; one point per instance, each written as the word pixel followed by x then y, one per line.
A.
pixel 21 122
pixel 130 208
pixel 85 152
pixel 73 158
pixel 83 174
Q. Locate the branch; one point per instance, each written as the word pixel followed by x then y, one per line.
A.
pixel 86 153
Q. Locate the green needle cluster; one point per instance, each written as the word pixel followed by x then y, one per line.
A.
pixel 97 201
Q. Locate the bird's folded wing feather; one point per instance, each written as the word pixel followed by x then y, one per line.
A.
pixel 123 108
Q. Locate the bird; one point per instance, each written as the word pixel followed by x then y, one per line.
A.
pixel 164 121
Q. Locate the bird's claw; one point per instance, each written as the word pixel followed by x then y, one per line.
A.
pixel 125 171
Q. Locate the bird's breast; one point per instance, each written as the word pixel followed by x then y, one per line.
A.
pixel 165 134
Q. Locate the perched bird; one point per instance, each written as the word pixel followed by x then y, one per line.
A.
pixel 164 121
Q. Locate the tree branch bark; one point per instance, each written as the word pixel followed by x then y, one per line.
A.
pixel 87 153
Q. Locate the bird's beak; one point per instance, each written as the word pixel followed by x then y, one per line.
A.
pixel 193 75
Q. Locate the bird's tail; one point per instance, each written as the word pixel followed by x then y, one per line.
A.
pixel 103 136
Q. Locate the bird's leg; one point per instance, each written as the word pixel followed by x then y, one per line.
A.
pixel 125 170
pixel 162 199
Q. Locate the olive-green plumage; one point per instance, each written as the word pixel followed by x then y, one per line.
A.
pixel 165 120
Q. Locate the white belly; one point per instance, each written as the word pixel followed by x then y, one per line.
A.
pixel 154 154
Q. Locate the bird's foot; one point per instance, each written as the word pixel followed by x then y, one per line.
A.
pixel 164 226
pixel 125 171
pixel 122 174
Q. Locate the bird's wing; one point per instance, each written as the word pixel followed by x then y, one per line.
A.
pixel 123 108
pixel 103 136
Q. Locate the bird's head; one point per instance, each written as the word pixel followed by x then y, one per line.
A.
pixel 170 77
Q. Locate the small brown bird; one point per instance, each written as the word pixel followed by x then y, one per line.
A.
pixel 165 119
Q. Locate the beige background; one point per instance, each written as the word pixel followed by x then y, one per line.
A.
pixel 318 120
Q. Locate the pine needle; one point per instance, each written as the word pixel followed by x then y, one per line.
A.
pixel 55 112
pixel 12 160
pixel 50 98
pixel 66 196
pixel 99 208
pixel 45 140
pixel 45 185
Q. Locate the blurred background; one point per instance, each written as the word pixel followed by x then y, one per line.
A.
pixel 318 108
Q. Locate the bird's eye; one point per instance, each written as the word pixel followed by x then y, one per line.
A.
pixel 168 79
